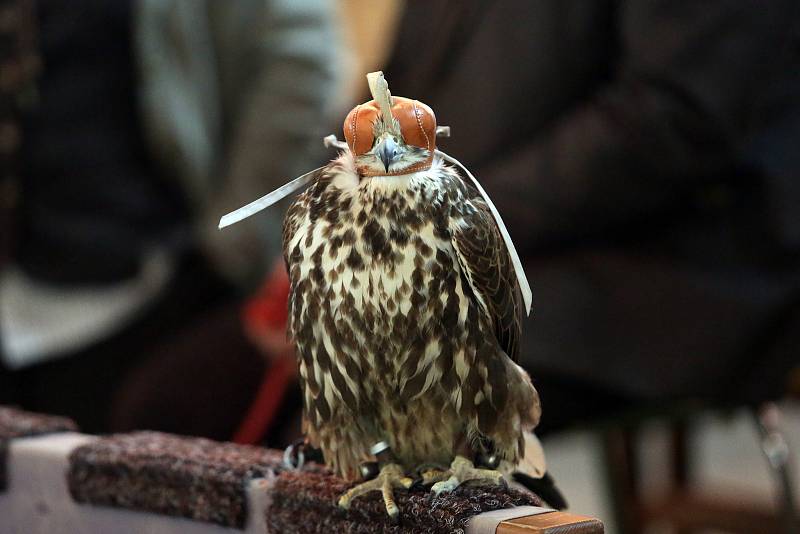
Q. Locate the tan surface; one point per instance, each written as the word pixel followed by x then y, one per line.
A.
pixel 369 29
pixel 551 523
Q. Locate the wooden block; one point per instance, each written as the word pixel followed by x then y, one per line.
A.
pixel 551 523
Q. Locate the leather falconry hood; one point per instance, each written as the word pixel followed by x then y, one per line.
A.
pixel 416 120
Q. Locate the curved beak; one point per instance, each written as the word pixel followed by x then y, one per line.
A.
pixel 387 151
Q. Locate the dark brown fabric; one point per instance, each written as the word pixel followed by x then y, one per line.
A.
pixel 642 156
pixel 199 381
pixel 160 473
pixel 92 203
pixel 306 503
pixel 19 65
pixel 17 424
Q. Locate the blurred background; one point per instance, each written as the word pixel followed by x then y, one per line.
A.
pixel 645 156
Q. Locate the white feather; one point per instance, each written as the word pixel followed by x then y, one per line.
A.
pixel 379 88
pixel 534 463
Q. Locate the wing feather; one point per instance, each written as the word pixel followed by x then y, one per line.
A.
pixel 487 267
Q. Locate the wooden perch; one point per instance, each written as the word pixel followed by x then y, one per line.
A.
pixel 551 523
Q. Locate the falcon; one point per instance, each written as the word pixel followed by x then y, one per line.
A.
pixel 405 308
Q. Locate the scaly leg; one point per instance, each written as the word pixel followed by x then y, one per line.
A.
pixel 390 477
pixel 431 475
pixel 463 470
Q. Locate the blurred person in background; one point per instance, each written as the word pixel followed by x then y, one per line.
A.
pixel 128 127
pixel 644 155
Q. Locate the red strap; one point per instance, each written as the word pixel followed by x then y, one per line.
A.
pixel 268 400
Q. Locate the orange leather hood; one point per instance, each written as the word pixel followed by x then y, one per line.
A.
pixel 417 124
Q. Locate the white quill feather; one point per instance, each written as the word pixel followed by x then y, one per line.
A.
pixel 379 88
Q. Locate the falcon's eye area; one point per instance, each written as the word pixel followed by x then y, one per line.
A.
pixel 389 148
pixel 384 138
pixel 363 148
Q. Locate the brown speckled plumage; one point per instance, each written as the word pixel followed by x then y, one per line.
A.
pixel 405 311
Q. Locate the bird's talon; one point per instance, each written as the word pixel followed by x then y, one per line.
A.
pixel 462 471
pixel 431 476
pixel 445 486
pixel 391 476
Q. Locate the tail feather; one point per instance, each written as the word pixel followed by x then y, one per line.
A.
pixel 533 463
pixel 544 487
pixel 532 474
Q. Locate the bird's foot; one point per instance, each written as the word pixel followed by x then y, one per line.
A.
pixel 431 475
pixel 390 477
pixel 463 470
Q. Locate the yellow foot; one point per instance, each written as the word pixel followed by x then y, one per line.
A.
pixel 390 477
pixel 431 475
pixel 463 470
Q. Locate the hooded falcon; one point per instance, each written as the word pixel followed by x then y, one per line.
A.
pixel 405 309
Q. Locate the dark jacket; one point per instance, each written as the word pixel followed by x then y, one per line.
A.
pixel 156 117
pixel 644 155
pixel 90 199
